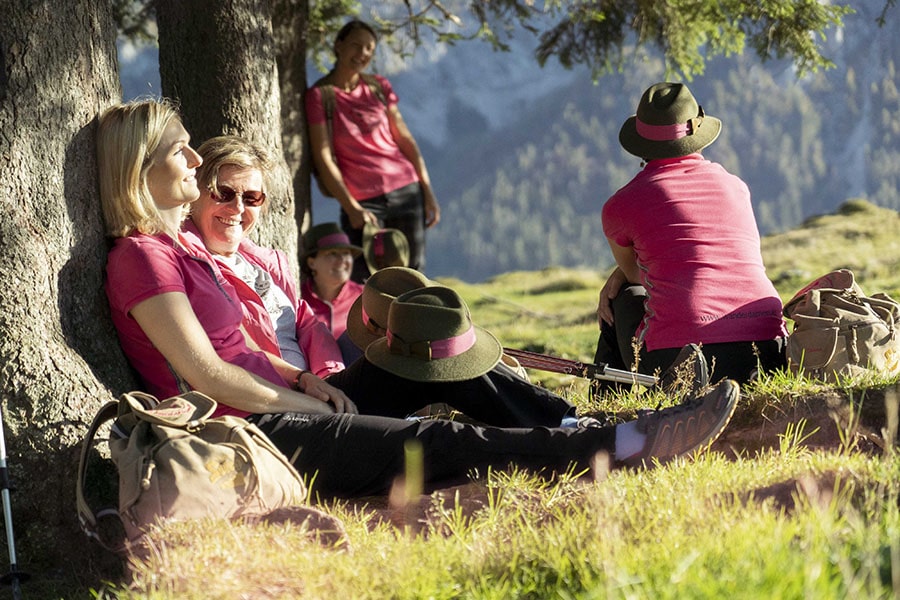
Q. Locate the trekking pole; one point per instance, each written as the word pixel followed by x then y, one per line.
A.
pixel 14 578
pixel 543 362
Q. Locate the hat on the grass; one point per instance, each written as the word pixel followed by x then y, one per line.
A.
pixel 384 248
pixel 368 316
pixel 326 236
pixel 668 123
pixel 431 337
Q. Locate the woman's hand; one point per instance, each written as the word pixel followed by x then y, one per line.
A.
pixel 359 216
pixel 609 291
pixel 432 209
pixel 320 389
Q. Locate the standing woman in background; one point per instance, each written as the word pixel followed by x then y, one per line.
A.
pixel 366 156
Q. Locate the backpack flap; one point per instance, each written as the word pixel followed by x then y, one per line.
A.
pixel 841 280
pixel 187 411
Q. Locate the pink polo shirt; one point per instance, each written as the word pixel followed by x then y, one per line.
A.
pixel 369 158
pixel 334 313
pixel 692 228
pixel 142 266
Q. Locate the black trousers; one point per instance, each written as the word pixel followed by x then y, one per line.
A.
pixel 361 455
pixel 732 360
pixel 402 209
pixel 499 398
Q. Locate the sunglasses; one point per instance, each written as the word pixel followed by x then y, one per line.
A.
pixel 225 195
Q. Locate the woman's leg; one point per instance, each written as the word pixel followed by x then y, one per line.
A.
pixel 378 206
pixel 406 212
pixel 499 398
pixel 360 455
pixel 740 361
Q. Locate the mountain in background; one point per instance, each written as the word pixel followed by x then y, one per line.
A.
pixel 522 158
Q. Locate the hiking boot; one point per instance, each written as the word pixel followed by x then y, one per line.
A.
pixel 687 376
pixel 684 428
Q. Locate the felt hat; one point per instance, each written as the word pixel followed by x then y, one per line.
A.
pixel 384 248
pixel 326 236
pixel 668 123
pixel 368 316
pixel 431 337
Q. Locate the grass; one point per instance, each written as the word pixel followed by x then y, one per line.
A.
pixel 799 499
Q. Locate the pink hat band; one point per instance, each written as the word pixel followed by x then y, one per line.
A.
pixel 370 324
pixel 431 349
pixel 664 133
pixel 333 239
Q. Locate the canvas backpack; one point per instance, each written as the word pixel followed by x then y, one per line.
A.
pixel 174 462
pixel 839 331
pixel 328 105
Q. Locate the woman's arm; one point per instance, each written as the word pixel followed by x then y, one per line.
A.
pixel 183 342
pixel 626 271
pixel 323 157
pixel 410 149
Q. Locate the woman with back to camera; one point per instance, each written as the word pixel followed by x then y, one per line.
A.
pixel 687 249
pixel 367 158
pixel 179 323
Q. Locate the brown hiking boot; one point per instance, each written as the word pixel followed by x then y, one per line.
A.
pixel 681 429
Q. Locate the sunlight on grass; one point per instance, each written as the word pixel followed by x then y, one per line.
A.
pixel 801 503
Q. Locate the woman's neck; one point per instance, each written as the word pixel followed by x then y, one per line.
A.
pixel 172 219
pixel 345 79
pixel 327 292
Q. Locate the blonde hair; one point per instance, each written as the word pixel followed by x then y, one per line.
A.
pixel 128 135
pixel 231 151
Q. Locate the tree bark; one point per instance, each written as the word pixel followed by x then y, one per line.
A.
pixel 217 58
pixel 289 24
pixel 59 356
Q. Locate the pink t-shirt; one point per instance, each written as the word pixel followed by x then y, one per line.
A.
pixel 369 158
pixel 334 313
pixel 692 228
pixel 142 266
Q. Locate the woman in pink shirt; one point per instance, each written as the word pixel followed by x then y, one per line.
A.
pixel 686 245
pixel 326 263
pixel 368 159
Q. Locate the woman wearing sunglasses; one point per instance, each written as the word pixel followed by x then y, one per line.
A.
pixel 232 182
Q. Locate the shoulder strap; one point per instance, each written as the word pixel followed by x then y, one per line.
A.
pixel 328 102
pixel 375 86
pixel 86 515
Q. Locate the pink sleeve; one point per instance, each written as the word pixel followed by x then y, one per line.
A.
pixel 315 112
pixel 315 340
pixel 614 224
pixel 389 94
pixel 141 271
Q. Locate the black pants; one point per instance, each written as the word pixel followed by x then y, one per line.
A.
pixel 402 209
pixel 732 360
pixel 498 398
pixel 361 455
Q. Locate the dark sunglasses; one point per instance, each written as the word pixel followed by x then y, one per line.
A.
pixel 225 195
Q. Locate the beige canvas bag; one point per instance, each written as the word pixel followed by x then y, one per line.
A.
pixel 839 331
pixel 176 463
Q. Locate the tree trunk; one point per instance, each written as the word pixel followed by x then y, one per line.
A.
pixel 59 356
pixel 217 58
pixel 289 23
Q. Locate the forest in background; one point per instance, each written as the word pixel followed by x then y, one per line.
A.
pixel 529 195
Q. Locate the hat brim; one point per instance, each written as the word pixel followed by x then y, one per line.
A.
pixel 354 250
pixel 641 147
pixel 356 329
pixel 474 362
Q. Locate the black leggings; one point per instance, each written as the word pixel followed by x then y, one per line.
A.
pixel 739 361
pixel 361 455
pixel 402 209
